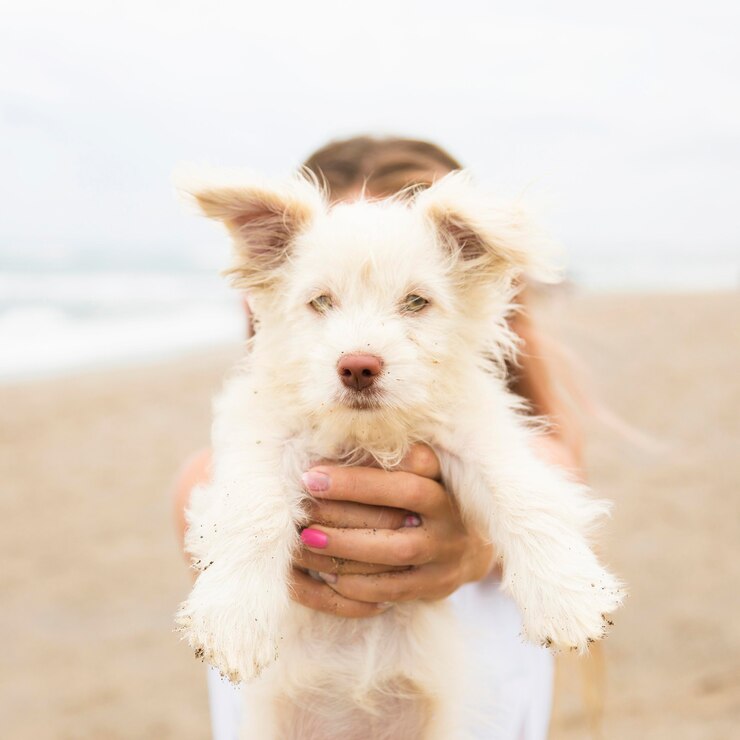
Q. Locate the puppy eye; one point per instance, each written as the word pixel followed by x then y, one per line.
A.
pixel 321 304
pixel 413 303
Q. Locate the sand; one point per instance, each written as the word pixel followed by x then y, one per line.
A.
pixel 91 571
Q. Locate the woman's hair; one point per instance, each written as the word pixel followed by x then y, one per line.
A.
pixel 382 166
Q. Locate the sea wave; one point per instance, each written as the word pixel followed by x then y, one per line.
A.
pixel 54 324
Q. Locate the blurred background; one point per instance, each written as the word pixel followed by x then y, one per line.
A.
pixel 621 122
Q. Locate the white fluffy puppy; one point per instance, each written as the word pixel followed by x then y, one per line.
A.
pixel 380 324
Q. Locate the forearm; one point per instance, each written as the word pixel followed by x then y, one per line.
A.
pixel 544 378
pixel 195 471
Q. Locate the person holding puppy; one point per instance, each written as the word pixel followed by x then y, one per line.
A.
pixel 444 559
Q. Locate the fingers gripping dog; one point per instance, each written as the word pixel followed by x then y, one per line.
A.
pixel 380 324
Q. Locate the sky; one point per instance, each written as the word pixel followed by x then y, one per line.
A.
pixel 621 120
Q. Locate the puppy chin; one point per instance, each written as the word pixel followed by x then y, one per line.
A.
pixel 369 399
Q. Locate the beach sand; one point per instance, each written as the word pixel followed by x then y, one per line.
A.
pixel 92 574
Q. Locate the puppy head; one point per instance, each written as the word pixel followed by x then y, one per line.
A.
pixel 374 306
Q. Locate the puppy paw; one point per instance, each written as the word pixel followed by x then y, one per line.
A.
pixel 227 636
pixel 571 612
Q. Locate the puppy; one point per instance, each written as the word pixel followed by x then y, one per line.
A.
pixel 380 324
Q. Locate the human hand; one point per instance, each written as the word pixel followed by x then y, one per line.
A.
pixel 378 537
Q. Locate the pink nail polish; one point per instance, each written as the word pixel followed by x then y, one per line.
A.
pixel 316 481
pixel 314 538
pixel 412 520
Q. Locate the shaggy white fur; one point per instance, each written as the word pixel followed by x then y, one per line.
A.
pixel 395 675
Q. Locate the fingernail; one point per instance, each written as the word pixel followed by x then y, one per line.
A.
pixel 412 521
pixel 316 481
pixel 314 538
pixel 385 605
pixel 328 577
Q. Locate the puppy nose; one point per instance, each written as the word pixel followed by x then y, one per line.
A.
pixel 359 371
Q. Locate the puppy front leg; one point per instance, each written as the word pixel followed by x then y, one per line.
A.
pixel 539 521
pixel 242 533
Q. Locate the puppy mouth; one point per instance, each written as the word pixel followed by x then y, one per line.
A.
pixel 362 400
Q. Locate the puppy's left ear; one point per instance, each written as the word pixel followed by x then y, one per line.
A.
pixel 263 218
pixel 487 240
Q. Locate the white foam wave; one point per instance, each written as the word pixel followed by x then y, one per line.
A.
pixel 52 324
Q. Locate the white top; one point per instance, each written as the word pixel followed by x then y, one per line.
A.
pixel 514 678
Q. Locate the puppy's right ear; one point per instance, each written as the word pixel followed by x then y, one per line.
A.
pixel 262 218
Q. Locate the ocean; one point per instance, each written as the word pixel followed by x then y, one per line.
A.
pixel 60 322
